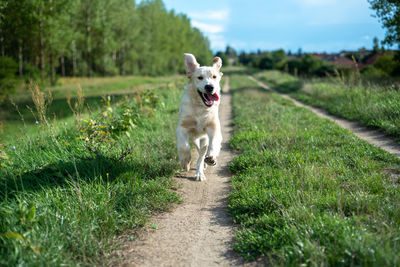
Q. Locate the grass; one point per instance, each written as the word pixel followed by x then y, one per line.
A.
pixel 373 105
pixel 19 120
pixel 307 192
pixel 68 191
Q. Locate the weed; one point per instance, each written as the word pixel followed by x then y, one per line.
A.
pixel 41 101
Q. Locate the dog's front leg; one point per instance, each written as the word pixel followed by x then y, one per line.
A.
pixel 201 145
pixel 183 148
pixel 215 140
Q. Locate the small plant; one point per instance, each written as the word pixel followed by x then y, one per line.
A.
pixel 77 107
pixel 27 220
pixel 3 156
pixel 108 125
pixel 41 101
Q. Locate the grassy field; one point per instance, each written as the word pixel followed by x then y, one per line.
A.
pixel 305 191
pixel 68 190
pixel 373 106
pixel 19 119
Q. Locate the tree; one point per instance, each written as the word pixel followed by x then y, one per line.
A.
pixel 97 37
pixel 388 13
pixel 376 45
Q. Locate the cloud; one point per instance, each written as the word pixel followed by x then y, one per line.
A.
pixel 208 28
pixel 220 15
pixel 213 24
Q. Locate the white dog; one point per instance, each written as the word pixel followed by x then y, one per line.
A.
pixel 199 121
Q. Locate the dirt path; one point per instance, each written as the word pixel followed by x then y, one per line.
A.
pixel 199 231
pixel 373 137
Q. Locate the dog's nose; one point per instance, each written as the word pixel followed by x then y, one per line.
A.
pixel 209 88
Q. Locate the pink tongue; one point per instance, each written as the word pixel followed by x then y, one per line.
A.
pixel 214 97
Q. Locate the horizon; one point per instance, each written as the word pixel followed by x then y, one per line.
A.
pixel 313 26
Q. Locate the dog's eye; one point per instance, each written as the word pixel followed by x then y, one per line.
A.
pixel 215 77
pixel 200 78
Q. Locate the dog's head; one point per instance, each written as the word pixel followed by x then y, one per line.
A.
pixel 204 79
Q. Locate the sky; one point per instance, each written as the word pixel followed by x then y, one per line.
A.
pixel 312 25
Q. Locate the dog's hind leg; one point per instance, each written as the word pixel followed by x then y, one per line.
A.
pixel 183 148
pixel 201 145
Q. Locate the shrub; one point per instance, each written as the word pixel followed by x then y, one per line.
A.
pixel 8 68
pixel 373 72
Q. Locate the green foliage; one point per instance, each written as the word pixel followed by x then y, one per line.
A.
pixel 8 69
pixel 388 12
pixel 89 38
pixel 387 64
pixel 305 191
pixel 306 65
pixel 310 65
pixel 373 72
pixel 63 199
pixel 372 105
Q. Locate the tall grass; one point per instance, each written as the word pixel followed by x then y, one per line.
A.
pixel 69 190
pixel 305 191
pixel 372 105
pixel 19 120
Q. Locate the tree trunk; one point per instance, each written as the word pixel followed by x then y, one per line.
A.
pixel 122 58
pixel 20 59
pixel 88 29
pixel 52 70
pixel 2 43
pixel 41 51
pixel 62 66
pixel 73 59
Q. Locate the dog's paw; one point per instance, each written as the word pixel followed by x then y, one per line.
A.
pixel 200 177
pixel 185 165
pixel 210 160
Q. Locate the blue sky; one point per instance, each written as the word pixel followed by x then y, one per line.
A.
pixel 312 25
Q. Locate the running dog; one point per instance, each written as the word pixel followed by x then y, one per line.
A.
pixel 199 121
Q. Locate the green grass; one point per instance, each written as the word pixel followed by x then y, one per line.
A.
pixel 373 106
pixel 306 191
pixel 18 120
pixel 64 200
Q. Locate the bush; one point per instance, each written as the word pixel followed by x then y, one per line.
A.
pixel 31 72
pixel 372 72
pixel 386 63
pixel 8 68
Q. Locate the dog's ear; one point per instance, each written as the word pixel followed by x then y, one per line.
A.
pixel 217 63
pixel 190 64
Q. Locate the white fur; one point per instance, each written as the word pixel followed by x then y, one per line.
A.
pixel 198 123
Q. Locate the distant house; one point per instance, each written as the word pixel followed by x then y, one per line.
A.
pixel 342 58
pixel 343 62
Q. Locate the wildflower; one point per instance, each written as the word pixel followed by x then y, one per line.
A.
pixel 13 147
pixel 36 122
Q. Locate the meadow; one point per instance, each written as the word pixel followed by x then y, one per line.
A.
pixel 19 117
pixel 305 191
pixel 72 184
pixel 372 104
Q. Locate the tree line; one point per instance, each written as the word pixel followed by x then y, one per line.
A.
pixel 46 38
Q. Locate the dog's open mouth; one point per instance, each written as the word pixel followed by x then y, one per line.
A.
pixel 208 99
